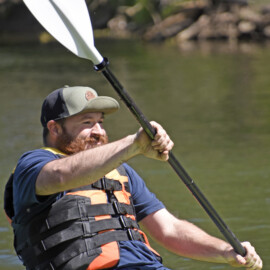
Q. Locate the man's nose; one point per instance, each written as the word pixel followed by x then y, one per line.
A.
pixel 97 128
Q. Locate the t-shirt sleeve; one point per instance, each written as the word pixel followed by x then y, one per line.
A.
pixel 25 176
pixel 145 202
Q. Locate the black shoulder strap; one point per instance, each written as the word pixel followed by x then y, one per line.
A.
pixel 8 197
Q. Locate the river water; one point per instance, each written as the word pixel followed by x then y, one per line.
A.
pixel 214 103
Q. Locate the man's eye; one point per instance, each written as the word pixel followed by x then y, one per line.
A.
pixel 92 123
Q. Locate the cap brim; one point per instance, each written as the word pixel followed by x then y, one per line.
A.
pixel 103 104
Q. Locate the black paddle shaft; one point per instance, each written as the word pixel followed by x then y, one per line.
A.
pixel 224 229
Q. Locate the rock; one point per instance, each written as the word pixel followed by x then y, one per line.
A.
pixel 167 28
pixel 266 31
pixel 209 27
pixel 265 20
pixel 237 24
pixel 118 26
pixel 247 14
pixel 265 9
pixel 173 24
pixel 194 30
pixel 246 27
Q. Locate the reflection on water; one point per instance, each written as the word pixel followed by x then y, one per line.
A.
pixel 215 106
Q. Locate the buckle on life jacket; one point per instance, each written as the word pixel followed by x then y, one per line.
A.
pixel 107 184
pixel 119 209
pixel 51 266
pixel 123 221
pixel 130 234
pixel 43 245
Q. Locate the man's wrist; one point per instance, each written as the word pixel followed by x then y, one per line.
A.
pixel 132 145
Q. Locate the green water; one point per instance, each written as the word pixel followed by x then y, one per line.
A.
pixel 215 105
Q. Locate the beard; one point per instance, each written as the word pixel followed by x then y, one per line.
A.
pixel 68 145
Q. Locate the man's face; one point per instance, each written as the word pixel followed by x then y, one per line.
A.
pixel 81 132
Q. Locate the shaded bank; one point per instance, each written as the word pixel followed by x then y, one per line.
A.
pixel 223 22
pixel 230 20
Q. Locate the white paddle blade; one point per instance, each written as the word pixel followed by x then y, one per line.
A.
pixel 67 21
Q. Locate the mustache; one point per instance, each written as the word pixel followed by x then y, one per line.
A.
pixel 71 146
pixel 95 139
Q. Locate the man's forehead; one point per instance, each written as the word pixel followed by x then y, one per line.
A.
pixel 90 115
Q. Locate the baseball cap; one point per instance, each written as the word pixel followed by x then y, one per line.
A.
pixel 68 101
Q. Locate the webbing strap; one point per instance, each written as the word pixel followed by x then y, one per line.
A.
pixel 101 239
pixel 81 245
pixel 107 184
pixel 109 237
pixel 77 229
pixel 113 223
pixel 84 211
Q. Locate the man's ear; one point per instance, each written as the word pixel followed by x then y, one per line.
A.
pixel 54 128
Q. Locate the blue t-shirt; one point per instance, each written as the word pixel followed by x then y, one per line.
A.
pixel 133 254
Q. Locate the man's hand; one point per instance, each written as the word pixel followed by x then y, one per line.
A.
pixel 159 147
pixel 251 261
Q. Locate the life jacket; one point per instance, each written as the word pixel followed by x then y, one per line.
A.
pixel 81 230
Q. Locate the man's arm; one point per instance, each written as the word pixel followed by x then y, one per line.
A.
pixel 90 165
pixel 186 239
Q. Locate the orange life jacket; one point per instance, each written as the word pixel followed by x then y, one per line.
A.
pixel 82 229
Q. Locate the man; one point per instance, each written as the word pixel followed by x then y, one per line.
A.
pixel 77 203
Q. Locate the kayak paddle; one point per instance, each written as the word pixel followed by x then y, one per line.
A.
pixel 68 21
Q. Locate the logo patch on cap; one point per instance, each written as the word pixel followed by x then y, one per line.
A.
pixel 89 95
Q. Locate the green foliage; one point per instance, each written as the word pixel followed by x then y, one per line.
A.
pixel 142 17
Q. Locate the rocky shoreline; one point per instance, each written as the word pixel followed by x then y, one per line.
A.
pixel 202 22
pixel 192 21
